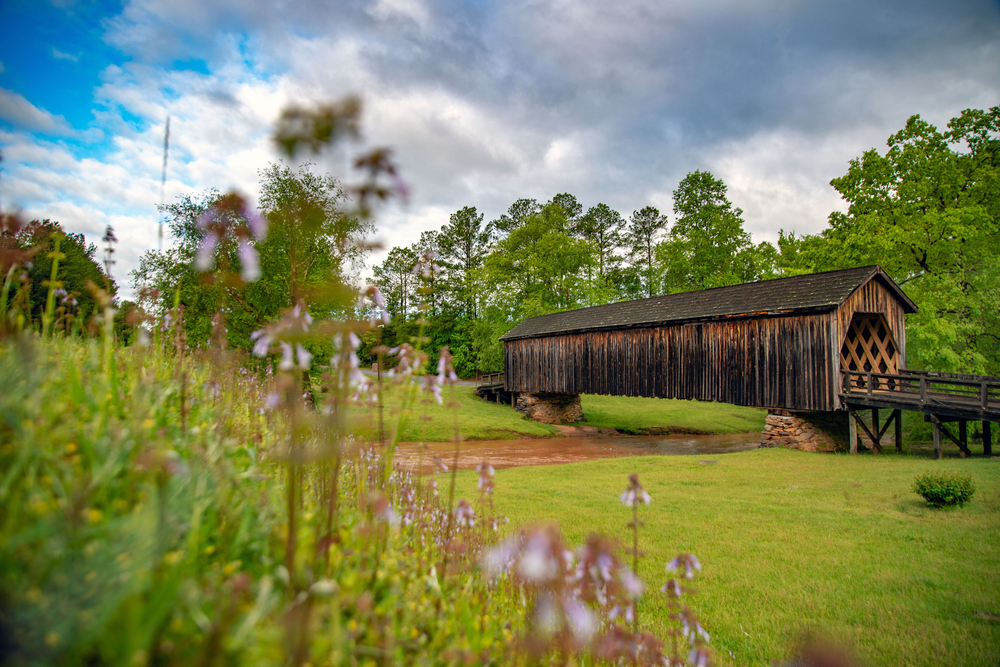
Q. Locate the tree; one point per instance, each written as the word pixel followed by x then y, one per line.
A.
pixel 570 206
pixel 928 211
pixel 515 216
pixel 538 268
pixel 395 278
pixel 311 251
pixel 78 265
pixel 707 245
pixel 464 243
pixel 602 226
pixel 640 239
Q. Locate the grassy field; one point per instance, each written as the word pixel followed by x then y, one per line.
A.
pixel 479 420
pixel 793 540
pixel 656 416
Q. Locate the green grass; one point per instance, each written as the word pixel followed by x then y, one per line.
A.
pixel 477 419
pixel 480 420
pixel 656 416
pixel 792 540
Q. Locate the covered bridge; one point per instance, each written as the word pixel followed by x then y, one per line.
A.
pixel 783 344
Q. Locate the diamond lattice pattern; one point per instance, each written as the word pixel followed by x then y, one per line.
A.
pixel 869 346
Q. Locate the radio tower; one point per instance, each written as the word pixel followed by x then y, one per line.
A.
pixel 163 180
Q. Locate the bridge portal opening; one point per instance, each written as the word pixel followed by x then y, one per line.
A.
pixel 869 346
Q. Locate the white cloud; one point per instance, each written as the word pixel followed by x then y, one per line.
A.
pixel 59 55
pixel 612 102
pixel 18 111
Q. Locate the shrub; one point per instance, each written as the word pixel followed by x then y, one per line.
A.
pixel 944 488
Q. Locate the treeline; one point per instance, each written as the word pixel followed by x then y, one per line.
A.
pixel 540 258
pixel 928 211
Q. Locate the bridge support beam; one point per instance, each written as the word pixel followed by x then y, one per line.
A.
pixel 549 408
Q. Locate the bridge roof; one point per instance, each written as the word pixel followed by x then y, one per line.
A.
pixel 810 292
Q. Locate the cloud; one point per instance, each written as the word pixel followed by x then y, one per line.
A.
pixel 21 113
pixel 59 55
pixel 484 103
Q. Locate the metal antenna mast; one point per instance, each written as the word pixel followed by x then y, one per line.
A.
pixel 163 179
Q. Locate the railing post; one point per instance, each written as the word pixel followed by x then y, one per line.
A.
pixel 984 394
pixel 868 379
pixel 923 390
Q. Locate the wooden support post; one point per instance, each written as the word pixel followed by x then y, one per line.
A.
pixel 987 439
pixel 898 414
pixel 877 441
pixel 963 434
pixel 852 422
pixel 937 437
pixel 941 429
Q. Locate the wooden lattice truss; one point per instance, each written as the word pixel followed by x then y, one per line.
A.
pixel 869 346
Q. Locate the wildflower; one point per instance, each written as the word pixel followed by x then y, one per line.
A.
pixel 262 342
pixel 581 621
pixel 256 223
pixel 698 657
pixel 672 588
pixel 538 563
pixel 464 514
pixel 287 363
pixel 688 561
pixel 303 356
pixel 206 252
pixel 634 492
pixel 486 474
pixel 249 261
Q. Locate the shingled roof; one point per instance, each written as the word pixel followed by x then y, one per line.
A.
pixel 814 291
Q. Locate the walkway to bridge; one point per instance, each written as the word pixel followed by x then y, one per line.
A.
pixel 941 397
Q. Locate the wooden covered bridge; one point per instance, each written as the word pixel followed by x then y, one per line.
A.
pixel 813 349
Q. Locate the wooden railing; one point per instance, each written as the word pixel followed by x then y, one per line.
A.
pixel 490 379
pixel 925 388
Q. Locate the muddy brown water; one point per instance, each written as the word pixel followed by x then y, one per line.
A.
pixel 551 451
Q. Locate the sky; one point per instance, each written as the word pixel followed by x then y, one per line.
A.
pixel 482 102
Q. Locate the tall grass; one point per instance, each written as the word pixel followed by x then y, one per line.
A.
pixel 167 505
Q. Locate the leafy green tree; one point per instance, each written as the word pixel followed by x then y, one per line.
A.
pixel 463 243
pixel 538 268
pixel 928 211
pixel 602 226
pixel 640 239
pixel 515 216
pixel 396 279
pixel 311 251
pixel 572 208
pixel 78 265
pixel 707 245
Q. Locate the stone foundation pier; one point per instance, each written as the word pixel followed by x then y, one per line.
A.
pixel 807 431
pixel 550 408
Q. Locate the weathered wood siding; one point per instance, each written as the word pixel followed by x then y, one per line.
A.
pixel 874 297
pixel 772 361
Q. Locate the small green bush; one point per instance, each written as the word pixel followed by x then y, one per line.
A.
pixel 944 488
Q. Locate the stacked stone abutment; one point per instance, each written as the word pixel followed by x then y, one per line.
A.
pixel 806 431
pixel 550 408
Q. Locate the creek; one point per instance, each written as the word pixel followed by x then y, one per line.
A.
pixel 551 451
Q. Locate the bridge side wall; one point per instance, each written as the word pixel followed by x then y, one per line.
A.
pixel 772 361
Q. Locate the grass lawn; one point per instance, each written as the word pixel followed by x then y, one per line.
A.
pixel 657 416
pixel 479 420
pixel 791 540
